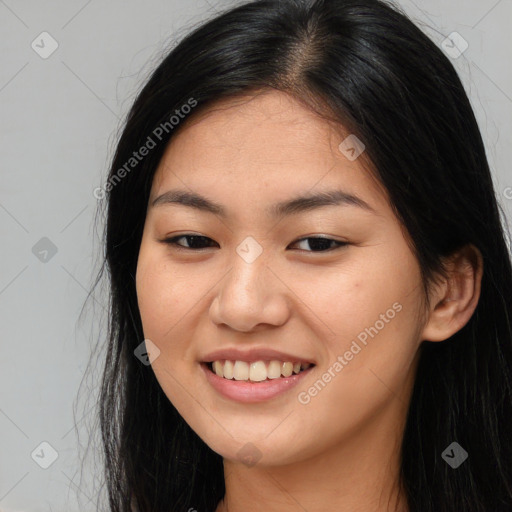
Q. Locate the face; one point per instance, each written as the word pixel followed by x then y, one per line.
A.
pixel 268 285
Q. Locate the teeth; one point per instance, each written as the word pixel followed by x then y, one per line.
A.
pixel 274 370
pixel 286 369
pixel 228 369
pixel 240 370
pixel 217 368
pixel 257 371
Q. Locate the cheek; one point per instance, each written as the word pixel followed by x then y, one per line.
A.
pixel 158 290
pixel 375 299
pixel 168 298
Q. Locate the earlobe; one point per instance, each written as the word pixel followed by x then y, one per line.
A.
pixel 454 302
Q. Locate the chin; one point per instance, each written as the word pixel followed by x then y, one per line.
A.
pixel 262 449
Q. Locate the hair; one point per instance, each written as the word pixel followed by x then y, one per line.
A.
pixel 368 67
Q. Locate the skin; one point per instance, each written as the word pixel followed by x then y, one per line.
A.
pixel 340 451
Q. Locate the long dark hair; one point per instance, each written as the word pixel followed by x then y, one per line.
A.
pixel 366 65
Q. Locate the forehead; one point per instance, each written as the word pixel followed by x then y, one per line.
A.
pixel 263 145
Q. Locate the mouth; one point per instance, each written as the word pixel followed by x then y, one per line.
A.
pixel 259 371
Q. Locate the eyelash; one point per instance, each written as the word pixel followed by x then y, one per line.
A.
pixel 173 241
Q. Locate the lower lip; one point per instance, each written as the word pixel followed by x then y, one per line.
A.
pixel 250 392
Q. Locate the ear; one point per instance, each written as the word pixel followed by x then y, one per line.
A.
pixel 454 301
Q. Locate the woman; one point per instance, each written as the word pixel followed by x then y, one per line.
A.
pixel 310 284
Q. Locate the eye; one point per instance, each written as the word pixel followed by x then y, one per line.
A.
pixel 195 241
pixel 319 244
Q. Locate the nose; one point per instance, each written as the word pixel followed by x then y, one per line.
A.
pixel 250 297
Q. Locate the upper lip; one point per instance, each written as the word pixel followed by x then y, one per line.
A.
pixel 255 354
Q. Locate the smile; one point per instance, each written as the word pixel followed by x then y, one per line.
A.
pixel 256 371
pixel 257 381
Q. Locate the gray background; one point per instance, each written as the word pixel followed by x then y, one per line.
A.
pixel 60 119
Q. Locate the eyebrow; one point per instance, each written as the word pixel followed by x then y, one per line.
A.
pixel 299 204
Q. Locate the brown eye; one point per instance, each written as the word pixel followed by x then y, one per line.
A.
pixel 195 242
pixel 321 244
